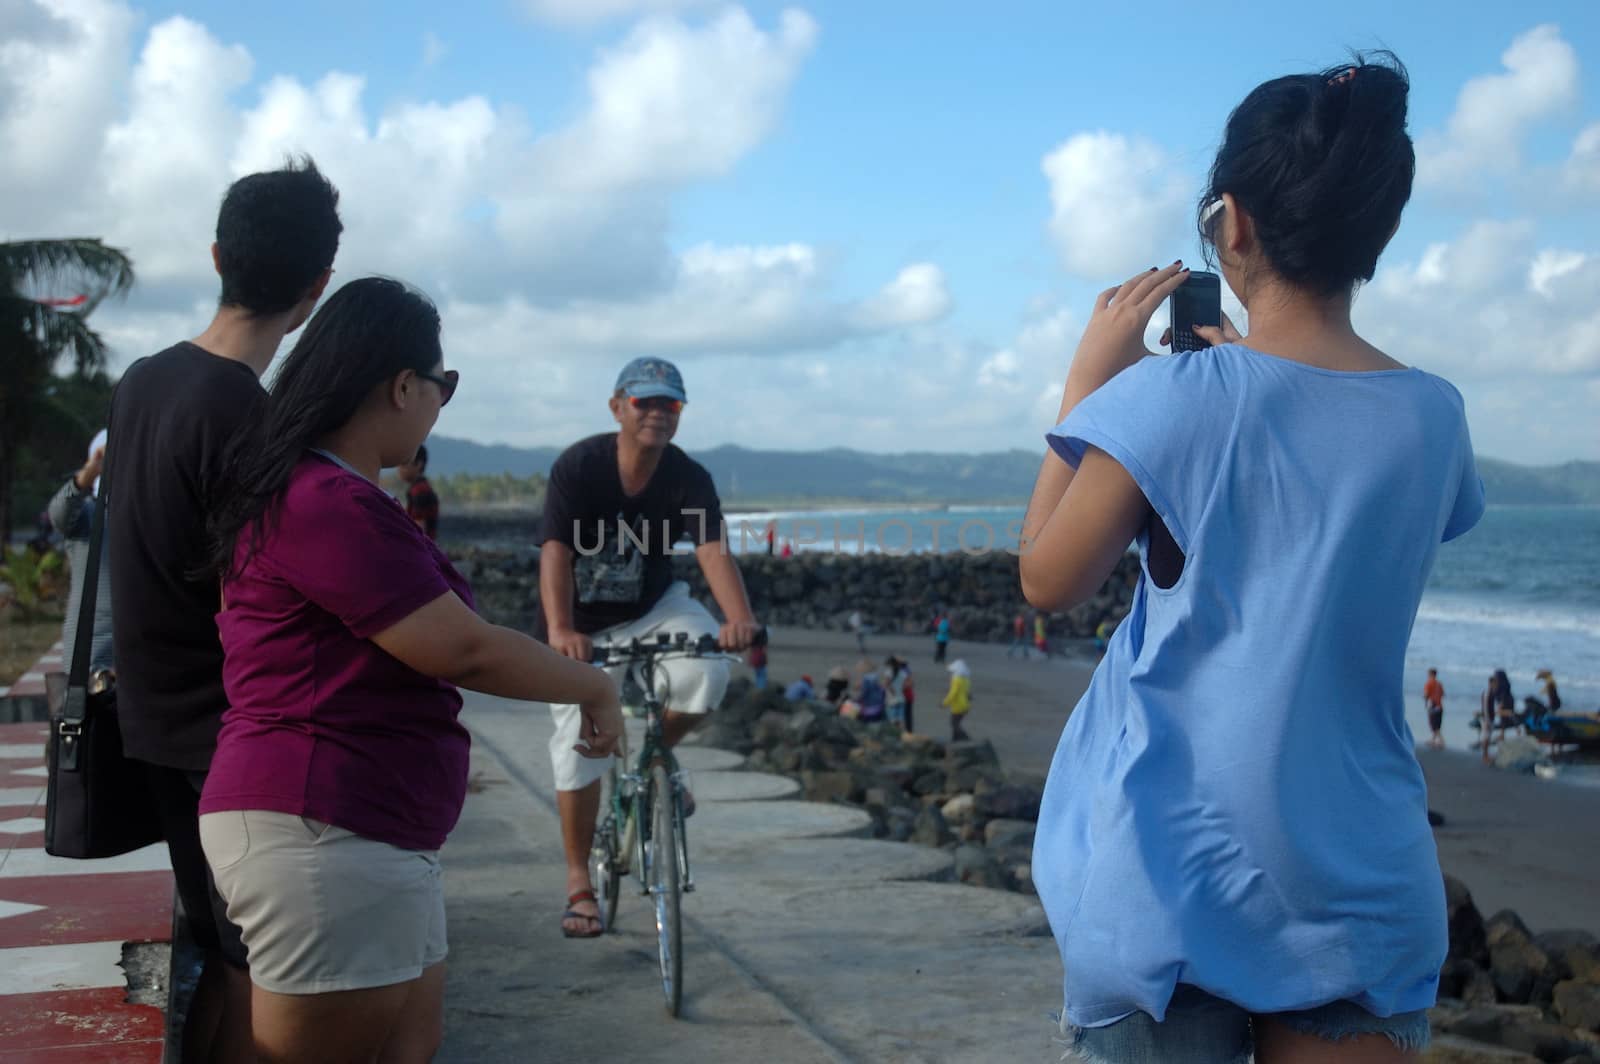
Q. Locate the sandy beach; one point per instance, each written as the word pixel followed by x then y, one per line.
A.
pixel 1518 842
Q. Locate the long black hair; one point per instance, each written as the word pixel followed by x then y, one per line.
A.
pixel 366 333
pixel 1323 165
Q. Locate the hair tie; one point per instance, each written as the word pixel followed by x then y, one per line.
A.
pixel 1340 79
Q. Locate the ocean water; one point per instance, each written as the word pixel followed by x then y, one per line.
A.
pixel 1521 592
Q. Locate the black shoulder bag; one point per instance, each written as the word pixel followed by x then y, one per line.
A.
pixel 98 802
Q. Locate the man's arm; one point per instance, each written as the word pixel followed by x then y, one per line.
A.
pixel 727 587
pixel 555 597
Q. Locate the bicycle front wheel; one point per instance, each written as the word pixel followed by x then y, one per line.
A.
pixel 661 858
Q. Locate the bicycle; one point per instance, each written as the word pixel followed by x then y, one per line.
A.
pixel 642 828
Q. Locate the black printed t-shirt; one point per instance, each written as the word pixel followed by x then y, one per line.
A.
pixel 622 544
pixel 172 415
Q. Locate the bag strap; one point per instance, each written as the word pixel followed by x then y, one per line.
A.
pixel 76 706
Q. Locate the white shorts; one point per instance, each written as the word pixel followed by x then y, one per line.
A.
pixel 324 909
pixel 684 685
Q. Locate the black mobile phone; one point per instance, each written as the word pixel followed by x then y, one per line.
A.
pixel 1197 301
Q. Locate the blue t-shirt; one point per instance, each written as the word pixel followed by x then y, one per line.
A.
pixel 1236 803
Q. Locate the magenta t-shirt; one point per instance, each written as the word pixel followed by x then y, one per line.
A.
pixel 323 723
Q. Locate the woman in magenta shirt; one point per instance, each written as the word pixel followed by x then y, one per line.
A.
pixel 341 766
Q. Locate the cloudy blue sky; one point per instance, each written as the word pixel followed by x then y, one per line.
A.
pixel 878 225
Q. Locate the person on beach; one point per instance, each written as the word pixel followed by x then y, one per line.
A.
pixel 941 637
pixel 1195 852
pixel 422 505
pixel 341 766
pixel 757 658
pixel 838 686
pixel 1041 638
pixel 800 690
pixel 1486 714
pixel 859 627
pixel 1433 699
pixel 172 416
pixel 1018 647
pixel 1552 696
pixel 616 506
pixel 72 511
pixel 1102 634
pixel 958 699
pixel 894 682
pixel 871 700
pixel 908 691
pixel 1505 705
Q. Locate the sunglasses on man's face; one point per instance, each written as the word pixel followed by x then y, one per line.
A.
pixel 447 383
pixel 662 403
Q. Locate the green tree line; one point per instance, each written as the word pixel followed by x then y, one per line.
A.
pixel 480 488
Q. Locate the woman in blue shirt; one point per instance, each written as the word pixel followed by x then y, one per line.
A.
pixel 1233 849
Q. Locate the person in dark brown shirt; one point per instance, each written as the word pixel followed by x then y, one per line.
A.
pixel 422 505
pixel 172 416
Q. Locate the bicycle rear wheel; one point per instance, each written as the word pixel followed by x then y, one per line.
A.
pixel 661 859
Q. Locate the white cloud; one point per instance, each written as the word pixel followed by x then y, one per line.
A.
pixel 675 103
pixel 1495 113
pixel 1489 305
pixel 916 295
pixel 584 12
pixel 1580 174
pixel 564 232
pixel 1550 266
pixel 1114 198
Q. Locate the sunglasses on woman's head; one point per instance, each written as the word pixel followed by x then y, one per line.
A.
pixel 656 402
pixel 447 384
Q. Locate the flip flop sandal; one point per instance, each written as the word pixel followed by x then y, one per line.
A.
pixel 573 914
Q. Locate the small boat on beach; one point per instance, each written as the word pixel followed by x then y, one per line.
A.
pixel 1565 729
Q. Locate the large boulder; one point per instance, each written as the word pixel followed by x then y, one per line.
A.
pixel 1450 1049
pixel 803 726
pixel 976 867
pixel 1522 972
pixel 967 754
pixel 959 810
pixel 770 728
pixel 1008 802
pixel 1000 834
pixel 1467 941
pixel 1520 1028
pixel 930 828
pixel 1576 954
pixel 829 786
pixel 1578 1004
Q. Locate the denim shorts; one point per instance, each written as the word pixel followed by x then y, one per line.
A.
pixel 1202 1029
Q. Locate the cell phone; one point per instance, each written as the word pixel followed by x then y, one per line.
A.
pixel 1197 301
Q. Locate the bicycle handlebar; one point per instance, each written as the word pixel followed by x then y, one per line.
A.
pixel 665 644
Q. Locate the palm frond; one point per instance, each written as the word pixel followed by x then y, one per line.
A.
pixel 51 332
pixel 65 268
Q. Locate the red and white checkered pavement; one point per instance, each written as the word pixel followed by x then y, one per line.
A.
pixel 62 927
pixel 32 681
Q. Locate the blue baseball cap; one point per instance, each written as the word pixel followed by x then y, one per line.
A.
pixel 645 378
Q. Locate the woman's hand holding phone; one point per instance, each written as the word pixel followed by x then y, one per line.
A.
pixel 1114 337
pixel 1227 333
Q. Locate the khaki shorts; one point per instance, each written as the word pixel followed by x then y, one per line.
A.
pixel 685 685
pixel 322 908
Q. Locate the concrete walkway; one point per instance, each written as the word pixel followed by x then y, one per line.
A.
pixel 804 940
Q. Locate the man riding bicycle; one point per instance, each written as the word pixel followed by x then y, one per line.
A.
pixel 615 506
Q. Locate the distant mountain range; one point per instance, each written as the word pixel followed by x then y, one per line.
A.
pixel 756 478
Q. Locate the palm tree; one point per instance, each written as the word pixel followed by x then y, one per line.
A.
pixel 37 325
